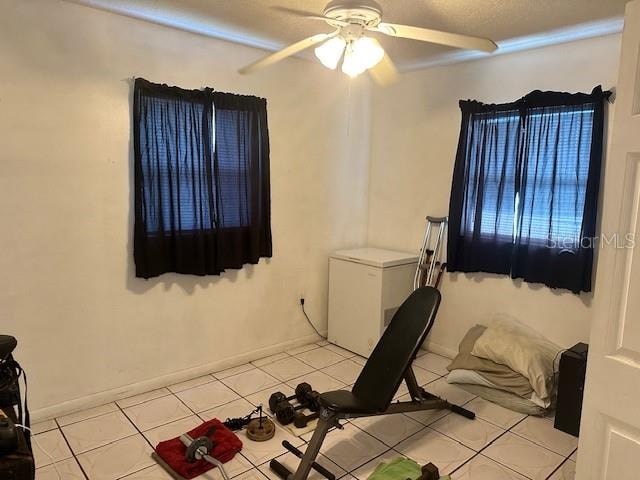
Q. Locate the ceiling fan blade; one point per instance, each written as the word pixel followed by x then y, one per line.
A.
pixel 286 52
pixel 310 15
pixel 385 72
pixel 436 36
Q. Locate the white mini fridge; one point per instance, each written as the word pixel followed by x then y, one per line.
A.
pixel 366 287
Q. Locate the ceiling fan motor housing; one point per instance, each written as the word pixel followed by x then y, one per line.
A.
pixel 360 12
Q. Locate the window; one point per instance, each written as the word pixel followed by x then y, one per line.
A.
pixel 525 186
pixel 494 135
pixel 557 149
pixel 202 198
pixel 173 165
pixel 570 133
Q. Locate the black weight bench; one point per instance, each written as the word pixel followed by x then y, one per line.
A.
pixel 372 394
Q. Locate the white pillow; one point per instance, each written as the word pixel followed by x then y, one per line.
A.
pixel 508 342
pixel 471 377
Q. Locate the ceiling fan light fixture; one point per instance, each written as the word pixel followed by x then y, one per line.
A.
pixel 360 55
pixel 352 65
pixel 369 51
pixel 330 52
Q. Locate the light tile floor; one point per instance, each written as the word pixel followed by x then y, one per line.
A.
pixel 114 441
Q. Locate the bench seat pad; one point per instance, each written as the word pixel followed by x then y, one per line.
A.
pixel 343 401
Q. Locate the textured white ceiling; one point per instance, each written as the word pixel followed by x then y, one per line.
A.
pixel 255 22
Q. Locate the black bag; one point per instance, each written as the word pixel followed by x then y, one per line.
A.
pixel 10 373
pixel 17 464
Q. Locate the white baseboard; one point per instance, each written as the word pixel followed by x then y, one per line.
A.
pixel 114 394
pixel 439 349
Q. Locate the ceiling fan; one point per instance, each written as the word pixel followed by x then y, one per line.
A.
pixel 358 52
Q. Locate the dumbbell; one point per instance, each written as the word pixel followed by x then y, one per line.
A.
pixel 312 401
pixel 429 472
pixel 286 412
pixel 302 390
pixel 300 420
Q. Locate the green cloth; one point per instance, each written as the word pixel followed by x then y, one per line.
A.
pixel 397 469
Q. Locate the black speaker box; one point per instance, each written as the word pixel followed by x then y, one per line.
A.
pixel 572 369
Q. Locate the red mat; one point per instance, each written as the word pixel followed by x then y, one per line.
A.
pixel 226 445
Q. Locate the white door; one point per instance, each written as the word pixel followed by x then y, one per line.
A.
pixel 610 430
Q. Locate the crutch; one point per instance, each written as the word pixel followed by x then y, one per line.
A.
pixel 429 259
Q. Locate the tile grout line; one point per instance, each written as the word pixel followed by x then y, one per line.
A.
pixel 477 454
pixel 168 387
pixel 565 461
pixel 259 473
pixel 137 429
pixel 70 449
pixel 555 469
pixel 526 439
pixel 376 439
pixel 377 456
pixel 500 436
pixel 539 445
pixel 351 472
pixel 109 443
pixel 486 456
pixel 319 455
pixel 98 447
pixel 141 432
pixel 509 430
pixel 85 419
pixel 242 396
pixel 309 373
pixel 392 447
pixel 216 406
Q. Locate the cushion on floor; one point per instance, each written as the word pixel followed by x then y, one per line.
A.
pixel 508 342
pixel 495 373
pixel 506 399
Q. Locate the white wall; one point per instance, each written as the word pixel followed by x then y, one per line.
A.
pixel 85 325
pixel 414 138
pixel 89 330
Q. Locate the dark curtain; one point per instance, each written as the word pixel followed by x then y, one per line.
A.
pixel 483 198
pixel 538 220
pixel 201 180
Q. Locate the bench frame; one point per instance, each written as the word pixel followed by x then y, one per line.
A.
pixel 328 419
